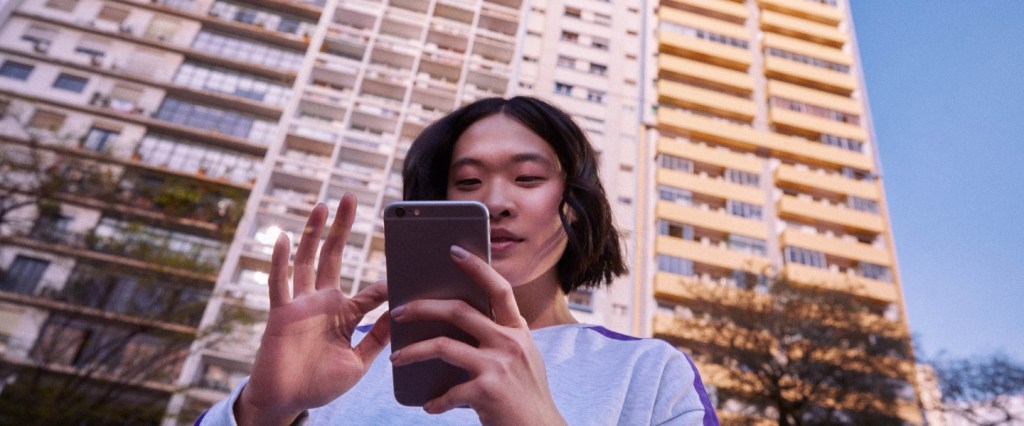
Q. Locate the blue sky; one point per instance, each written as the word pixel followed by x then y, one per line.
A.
pixel 945 81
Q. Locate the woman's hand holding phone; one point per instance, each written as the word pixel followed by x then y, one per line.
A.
pixel 306 358
pixel 508 381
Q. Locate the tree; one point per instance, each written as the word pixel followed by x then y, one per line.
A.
pixel 798 354
pixel 987 390
pixel 112 336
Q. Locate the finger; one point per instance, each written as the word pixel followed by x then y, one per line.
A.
pixel 370 297
pixel 452 311
pixel 454 352
pixel 277 282
pixel 306 252
pixel 457 396
pixel 329 270
pixel 374 341
pixel 499 291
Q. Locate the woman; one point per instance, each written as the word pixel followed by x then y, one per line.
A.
pixel 551 232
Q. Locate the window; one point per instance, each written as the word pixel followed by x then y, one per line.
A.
pixel 598 69
pixel 40 35
pixel 70 83
pixel 742 178
pixel 247 51
pixel 92 47
pixel 124 97
pixel 603 19
pixel 748 245
pixel 672 162
pixel 875 272
pixel 674 229
pixel 566 62
pixel 65 5
pixel 599 43
pixel 581 299
pixel 804 256
pixel 675 265
pixel 16 70
pixel 675 195
pixel 112 14
pixel 216 119
pixel 573 12
pixel 46 120
pixel 844 143
pixel 862 204
pixel 595 96
pixel 288 25
pixel 24 275
pixel 162 28
pixel 741 209
pixel 563 89
pixel 98 138
pixel 570 36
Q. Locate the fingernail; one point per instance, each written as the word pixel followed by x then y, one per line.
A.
pixel 459 253
pixel 397 312
pixel 394 355
pixel 428 406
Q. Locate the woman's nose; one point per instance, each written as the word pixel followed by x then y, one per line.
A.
pixel 499 201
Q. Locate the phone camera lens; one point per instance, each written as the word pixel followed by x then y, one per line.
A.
pixel 400 212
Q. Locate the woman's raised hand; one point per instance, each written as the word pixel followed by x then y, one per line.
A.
pixel 508 382
pixel 306 358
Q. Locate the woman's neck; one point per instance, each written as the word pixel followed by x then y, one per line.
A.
pixel 542 303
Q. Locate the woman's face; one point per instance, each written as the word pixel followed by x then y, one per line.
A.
pixel 516 174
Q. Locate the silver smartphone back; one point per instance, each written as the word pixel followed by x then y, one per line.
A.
pixel 417 240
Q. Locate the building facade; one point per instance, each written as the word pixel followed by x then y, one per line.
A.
pixel 178 138
pixel 764 163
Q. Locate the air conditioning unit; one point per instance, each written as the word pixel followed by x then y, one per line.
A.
pixel 125 28
pixel 42 46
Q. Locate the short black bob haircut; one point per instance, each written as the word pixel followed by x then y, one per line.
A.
pixel 593 255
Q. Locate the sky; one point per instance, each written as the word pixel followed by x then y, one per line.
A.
pixel 945 83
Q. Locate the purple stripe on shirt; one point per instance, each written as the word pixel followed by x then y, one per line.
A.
pixel 611 334
pixel 365 328
pixel 200 419
pixel 710 418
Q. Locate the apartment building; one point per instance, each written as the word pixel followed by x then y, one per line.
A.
pixel 763 160
pixel 186 135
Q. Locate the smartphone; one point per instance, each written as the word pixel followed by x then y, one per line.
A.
pixel 418 236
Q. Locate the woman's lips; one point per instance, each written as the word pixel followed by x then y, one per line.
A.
pixel 502 240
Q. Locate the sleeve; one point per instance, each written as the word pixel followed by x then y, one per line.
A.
pixel 682 398
pixel 222 414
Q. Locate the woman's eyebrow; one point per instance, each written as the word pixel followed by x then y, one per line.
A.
pixel 526 157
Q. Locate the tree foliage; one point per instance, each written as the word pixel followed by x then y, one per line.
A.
pixel 986 390
pixel 114 335
pixel 801 355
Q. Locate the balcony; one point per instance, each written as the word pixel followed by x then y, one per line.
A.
pixel 806 209
pixel 719 221
pixel 810 10
pixel 716 187
pixel 807 48
pixel 734 10
pixel 674 67
pixel 748 139
pixel 723 157
pixel 707 100
pixel 809 75
pixel 829 35
pixel 822 278
pixel 837 247
pixel 716 255
pixel 704 51
pixel 802 178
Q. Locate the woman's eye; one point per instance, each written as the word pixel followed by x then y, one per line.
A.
pixel 467 182
pixel 530 179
